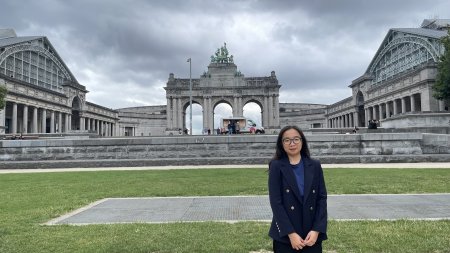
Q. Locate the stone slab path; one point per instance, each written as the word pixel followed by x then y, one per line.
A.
pixel 254 208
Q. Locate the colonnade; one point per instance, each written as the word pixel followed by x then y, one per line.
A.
pixel 387 109
pixel 32 119
pixel 378 111
pixel 342 121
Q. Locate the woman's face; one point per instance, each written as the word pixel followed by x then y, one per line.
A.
pixel 292 142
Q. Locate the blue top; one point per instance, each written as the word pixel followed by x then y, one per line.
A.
pixel 299 171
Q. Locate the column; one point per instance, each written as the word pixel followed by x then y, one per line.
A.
pixel 44 120
pixel 356 119
pixel 240 108
pixel 66 123
pixel 180 115
pixel 205 112
pixel 270 111
pixel 366 116
pixel 277 111
pixel 266 112
pixel 88 124
pixel 388 110
pixel 14 119
pixel 59 130
pixel 52 122
pixel 395 107
pixel 70 122
pixel 380 111
pixel 97 126
pixel 35 120
pixel 413 103
pixel 81 123
pixel 25 119
pixel 211 115
pixel 403 105
pixel 169 113
pixel 174 113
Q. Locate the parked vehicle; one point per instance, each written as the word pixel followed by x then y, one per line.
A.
pixel 239 125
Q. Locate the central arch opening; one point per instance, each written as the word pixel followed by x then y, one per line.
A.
pixel 221 110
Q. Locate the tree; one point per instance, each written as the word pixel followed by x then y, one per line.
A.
pixel 442 86
pixel 2 97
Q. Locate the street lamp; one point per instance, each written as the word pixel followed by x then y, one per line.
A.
pixel 190 95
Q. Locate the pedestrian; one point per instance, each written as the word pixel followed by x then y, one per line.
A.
pixel 297 194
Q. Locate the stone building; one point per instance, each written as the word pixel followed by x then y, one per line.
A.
pixel 221 83
pixel 142 121
pixel 396 88
pixel 43 96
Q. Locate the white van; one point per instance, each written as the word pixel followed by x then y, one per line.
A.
pixel 239 125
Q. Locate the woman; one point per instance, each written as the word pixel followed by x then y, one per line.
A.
pixel 297 194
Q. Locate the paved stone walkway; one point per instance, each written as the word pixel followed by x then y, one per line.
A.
pixel 254 208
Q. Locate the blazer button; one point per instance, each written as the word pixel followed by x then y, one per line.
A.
pixel 287 190
pixel 314 191
pixel 311 208
pixel 292 208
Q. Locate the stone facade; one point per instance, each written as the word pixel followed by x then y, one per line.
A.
pixel 305 116
pixel 43 96
pixel 143 121
pixel 222 83
pixel 398 82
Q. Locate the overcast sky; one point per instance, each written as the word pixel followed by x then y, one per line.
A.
pixel 123 51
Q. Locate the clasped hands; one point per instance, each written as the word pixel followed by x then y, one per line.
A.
pixel 298 243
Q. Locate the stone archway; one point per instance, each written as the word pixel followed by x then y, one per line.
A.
pixel 215 105
pixel 257 115
pixel 223 82
pixel 186 117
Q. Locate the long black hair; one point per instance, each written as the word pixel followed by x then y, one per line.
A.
pixel 280 153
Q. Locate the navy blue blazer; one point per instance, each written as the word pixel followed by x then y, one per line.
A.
pixel 291 212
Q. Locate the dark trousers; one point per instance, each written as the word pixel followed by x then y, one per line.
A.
pixel 279 247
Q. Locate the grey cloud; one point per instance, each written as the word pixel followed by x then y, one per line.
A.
pixel 310 44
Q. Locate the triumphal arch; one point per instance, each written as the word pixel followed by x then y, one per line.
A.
pixel 222 83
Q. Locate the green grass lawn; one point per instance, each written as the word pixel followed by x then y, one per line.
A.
pixel 27 200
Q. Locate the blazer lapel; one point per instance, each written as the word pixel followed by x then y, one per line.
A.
pixel 288 174
pixel 309 176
